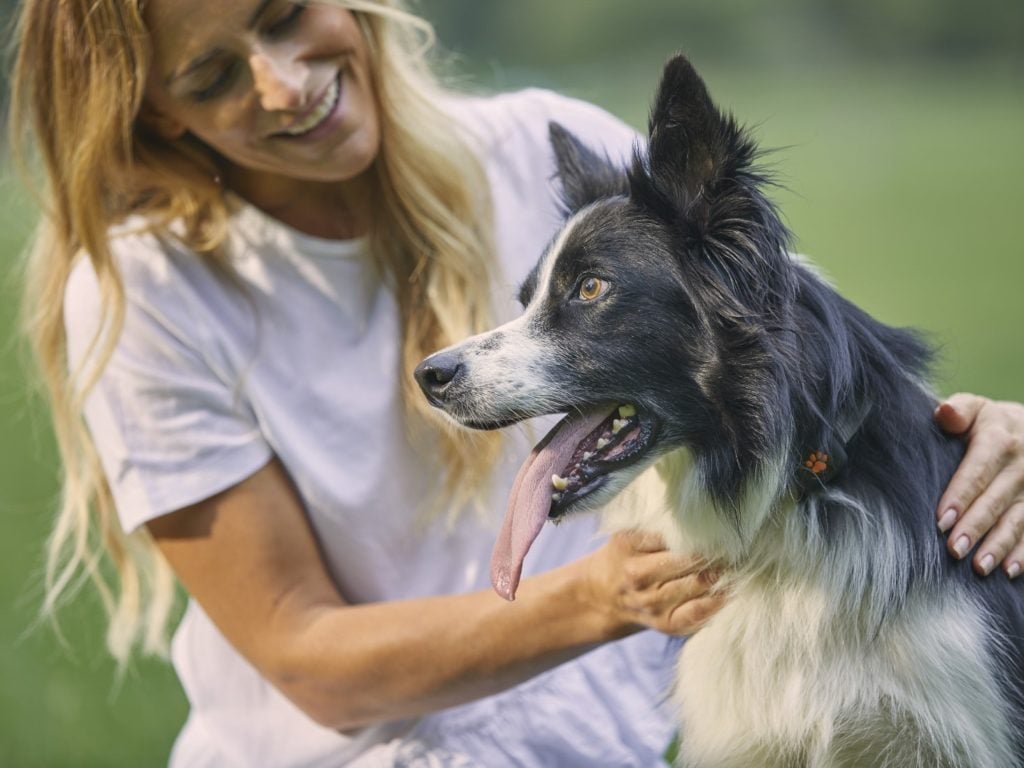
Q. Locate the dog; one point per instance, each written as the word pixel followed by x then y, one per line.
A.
pixel 794 439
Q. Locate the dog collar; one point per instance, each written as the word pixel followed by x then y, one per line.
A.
pixel 819 466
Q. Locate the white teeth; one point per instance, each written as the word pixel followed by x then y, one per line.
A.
pixel 618 424
pixel 556 497
pixel 588 455
pixel 560 483
pixel 314 118
pixel 602 442
pixel 626 411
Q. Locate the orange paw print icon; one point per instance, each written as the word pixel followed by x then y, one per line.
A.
pixel 817 462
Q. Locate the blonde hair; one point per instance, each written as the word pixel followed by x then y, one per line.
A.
pixel 78 82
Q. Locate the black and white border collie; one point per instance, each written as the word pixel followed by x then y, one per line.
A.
pixel 793 438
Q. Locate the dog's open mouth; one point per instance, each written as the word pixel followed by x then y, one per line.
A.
pixel 617 441
pixel 574 460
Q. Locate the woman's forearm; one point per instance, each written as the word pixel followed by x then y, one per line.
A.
pixel 249 558
pixel 349 666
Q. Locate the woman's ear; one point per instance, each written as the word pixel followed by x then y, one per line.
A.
pixel 164 126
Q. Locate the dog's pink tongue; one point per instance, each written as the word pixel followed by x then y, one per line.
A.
pixel 530 499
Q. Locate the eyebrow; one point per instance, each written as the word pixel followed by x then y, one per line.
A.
pixel 203 60
pixel 260 9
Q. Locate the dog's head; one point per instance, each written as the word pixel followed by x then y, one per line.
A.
pixel 644 320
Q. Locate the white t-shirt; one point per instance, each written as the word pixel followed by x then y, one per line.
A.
pixel 208 382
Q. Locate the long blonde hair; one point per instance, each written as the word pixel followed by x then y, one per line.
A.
pixel 78 82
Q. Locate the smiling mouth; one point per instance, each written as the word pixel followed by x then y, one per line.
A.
pixel 319 114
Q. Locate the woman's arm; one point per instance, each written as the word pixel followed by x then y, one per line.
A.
pixel 985 498
pixel 248 556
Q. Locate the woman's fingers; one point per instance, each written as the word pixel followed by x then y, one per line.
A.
pixel 985 457
pixel 996 546
pixel 687 617
pixel 957 412
pixel 985 510
pixel 650 570
pixel 981 502
pixel 1013 563
pixel 660 589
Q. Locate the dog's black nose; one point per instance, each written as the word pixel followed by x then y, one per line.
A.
pixel 436 374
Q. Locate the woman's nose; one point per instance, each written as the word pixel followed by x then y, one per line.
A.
pixel 280 82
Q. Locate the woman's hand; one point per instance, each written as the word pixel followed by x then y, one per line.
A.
pixel 641 584
pixel 985 498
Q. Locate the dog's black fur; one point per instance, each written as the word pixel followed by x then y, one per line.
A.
pixel 746 358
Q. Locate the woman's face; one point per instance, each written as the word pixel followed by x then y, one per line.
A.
pixel 280 89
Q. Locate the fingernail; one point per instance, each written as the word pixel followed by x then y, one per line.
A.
pixel 962 545
pixel 987 564
pixel 1013 570
pixel 947 520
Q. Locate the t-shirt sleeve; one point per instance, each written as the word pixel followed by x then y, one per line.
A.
pixel 512 131
pixel 596 128
pixel 169 430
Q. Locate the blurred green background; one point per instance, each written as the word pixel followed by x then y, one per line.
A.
pixel 900 124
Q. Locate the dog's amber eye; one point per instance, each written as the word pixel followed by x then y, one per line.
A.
pixel 591 288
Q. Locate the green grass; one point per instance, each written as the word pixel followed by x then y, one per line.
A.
pixel 906 188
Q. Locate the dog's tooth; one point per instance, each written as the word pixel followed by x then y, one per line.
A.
pixel 618 425
pixel 588 455
pixel 556 497
pixel 602 442
pixel 560 483
pixel 626 411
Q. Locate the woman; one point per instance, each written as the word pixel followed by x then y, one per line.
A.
pixel 264 213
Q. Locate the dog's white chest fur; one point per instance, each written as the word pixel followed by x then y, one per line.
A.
pixel 776 679
pixel 781 677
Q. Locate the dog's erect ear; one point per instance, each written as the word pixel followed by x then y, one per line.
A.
pixel 700 176
pixel 586 175
pixel 691 143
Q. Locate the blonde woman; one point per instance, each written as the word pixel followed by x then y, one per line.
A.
pixel 260 215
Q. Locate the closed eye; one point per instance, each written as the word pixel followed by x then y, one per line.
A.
pixel 222 80
pixel 285 20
